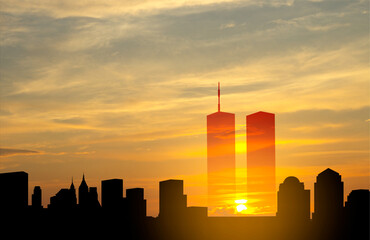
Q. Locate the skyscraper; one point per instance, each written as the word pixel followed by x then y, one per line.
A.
pixel 13 191
pixel 328 196
pixel 220 158
pixel 83 193
pixel 87 197
pixel 112 193
pixel 172 201
pixel 328 205
pixel 36 198
pixel 136 204
pixel 357 212
pixel 261 161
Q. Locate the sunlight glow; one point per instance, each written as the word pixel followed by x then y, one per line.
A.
pixel 241 208
pixel 241 205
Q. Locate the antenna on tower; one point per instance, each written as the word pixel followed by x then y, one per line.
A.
pixel 219 106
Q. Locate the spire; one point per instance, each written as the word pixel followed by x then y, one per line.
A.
pixel 83 182
pixel 219 106
pixel 72 186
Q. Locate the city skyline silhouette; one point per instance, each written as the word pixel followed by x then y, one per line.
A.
pixel 180 221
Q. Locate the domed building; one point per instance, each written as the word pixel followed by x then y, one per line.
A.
pixel 293 200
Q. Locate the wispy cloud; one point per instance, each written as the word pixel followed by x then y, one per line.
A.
pixel 5 152
pixel 227 25
pixel 74 120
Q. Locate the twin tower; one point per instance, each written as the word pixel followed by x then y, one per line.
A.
pixel 260 132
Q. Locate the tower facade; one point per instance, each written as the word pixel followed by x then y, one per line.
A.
pixel 261 161
pixel 220 158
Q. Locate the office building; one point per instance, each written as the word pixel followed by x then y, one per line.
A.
pixel 37 198
pixel 293 201
pixel 172 201
pixel 112 193
pixel 328 198
pixel 136 204
pixel 13 191
pixel 65 199
pixel 220 158
pixel 260 134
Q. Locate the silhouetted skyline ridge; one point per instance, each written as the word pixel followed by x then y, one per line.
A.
pixel 176 220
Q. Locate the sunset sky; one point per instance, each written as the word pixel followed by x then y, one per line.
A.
pixel 121 89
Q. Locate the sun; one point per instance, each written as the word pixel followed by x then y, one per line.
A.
pixel 241 205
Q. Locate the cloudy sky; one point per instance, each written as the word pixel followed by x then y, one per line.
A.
pixel 121 89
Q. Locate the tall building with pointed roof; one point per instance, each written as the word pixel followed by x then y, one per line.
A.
pixel 72 193
pixel 72 186
pixel 65 199
pixel 87 197
pixel 83 192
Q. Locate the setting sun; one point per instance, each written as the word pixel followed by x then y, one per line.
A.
pixel 241 205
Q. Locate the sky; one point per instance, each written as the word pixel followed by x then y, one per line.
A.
pixel 121 89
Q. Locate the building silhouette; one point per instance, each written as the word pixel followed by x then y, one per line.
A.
pixel 357 214
pixel 261 160
pixel 172 201
pixel 293 201
pixel 112 193
pixel 135 204
pixel 93 198
pixel 328 198
pixel 328 205
pixel 37 198
pixel 175 219
pixel 13 191
pixel 220 158
pixel 87 198
pixel 65 199
pixel 83 192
